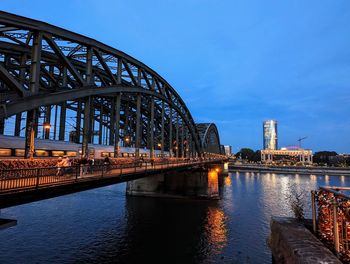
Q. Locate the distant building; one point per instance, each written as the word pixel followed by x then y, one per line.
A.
pixel 270 134
pixel 228 150
pixel 286 156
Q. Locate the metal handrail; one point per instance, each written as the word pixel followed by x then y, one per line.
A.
pixel 24 178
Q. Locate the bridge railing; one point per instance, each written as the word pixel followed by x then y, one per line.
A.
pixel 333 223
pixel 33 178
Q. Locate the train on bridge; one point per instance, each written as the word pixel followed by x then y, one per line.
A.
pixel 13 147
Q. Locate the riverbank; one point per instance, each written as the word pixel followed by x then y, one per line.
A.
pixel 289 169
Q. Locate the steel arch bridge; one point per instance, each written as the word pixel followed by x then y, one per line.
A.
pixel 49 74
pixel 209 135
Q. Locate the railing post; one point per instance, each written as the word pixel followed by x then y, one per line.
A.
pixel 81 170
pixel 77 172
pixel 37 178
pixel 313 204
pixel 335 228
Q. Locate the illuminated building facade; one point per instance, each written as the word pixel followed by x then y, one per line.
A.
pixel 228 150
pixel 270 134
pixel 286 156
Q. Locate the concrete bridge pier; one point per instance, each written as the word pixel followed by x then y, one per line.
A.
pixel 202 183
pixel 225 168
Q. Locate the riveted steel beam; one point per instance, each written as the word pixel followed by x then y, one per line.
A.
pixel 35 63
pixel 10 81
pixel 64 59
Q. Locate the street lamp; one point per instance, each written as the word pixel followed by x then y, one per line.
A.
pixel 46 126
pixel 126 139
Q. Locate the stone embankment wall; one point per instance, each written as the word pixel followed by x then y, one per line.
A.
pixel 291 242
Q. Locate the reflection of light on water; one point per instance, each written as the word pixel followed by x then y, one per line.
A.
pixel 216 229
pixel 273 179
pixel 268 176
pixel 228 181
pixel 270 179
pixel 313 178
pixel 342 178
pixel 297 179
pixel 326 179
pixel 285 186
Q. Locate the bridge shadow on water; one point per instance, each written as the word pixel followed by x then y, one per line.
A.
pixel 165 231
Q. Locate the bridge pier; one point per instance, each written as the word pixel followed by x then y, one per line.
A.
pixel 202 183
pixel 224 168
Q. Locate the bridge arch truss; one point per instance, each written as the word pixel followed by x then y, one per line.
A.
pixel 90 92
pixel 210 139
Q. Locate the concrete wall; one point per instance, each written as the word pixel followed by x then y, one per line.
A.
pixel 199 183
pixel 291 242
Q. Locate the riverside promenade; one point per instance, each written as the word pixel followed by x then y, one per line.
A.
pixel 290 169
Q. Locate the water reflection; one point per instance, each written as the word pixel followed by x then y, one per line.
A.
pixel 326 180
pixel 216 229
pixel 313 178
pixel 105 226
pixel 227 181
pixel 342 179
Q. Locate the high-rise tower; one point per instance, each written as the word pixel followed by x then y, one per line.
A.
pixel 270 134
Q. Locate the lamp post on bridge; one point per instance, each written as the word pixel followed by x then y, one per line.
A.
pixel 159 145
pixel 30 153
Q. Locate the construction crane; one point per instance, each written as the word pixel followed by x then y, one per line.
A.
pixel 299 140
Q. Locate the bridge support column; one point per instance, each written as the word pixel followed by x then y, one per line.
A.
pixel 29 143
pixel 46 132
pixel 2 125
pixel 162 131
pixel 100 128
pixel 78 122
pixel 18 124
pixel 198 183
pixel 86 133
pixel 171 133
pixel 138 119
pixel 117 125
pixel 151 143
pixel 177 136
pixel 182 140
pixel 62 121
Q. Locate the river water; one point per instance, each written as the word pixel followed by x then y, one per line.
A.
pixel 105 226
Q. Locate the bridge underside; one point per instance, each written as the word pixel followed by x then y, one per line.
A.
pixel 181 180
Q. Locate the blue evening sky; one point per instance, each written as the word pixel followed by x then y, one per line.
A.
pixel 234 62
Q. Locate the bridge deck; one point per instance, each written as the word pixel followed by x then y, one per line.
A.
pixel 26 185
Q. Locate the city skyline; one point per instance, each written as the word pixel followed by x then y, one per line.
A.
pixel 256 61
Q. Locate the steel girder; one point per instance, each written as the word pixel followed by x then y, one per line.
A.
pixel 209 136
pixel 41 64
